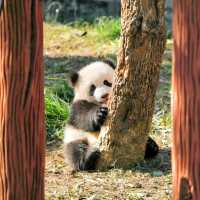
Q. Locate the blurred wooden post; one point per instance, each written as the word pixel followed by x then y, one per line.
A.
pixel 22 136
pixel 186 100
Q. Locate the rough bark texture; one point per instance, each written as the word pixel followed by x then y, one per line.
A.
pixel 186 100
pixel 123 138
pixel 22 135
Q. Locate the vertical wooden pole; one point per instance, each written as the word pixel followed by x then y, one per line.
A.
pixel 186 100
pixel 22 136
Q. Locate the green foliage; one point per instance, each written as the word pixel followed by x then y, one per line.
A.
pixel 169 34
pixel 62 91
pixel 56 113
pixel 99 38
pixel 107 28
pixel 104 28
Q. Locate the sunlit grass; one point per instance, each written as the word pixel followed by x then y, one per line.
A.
pixel 56 113
pixel 100 38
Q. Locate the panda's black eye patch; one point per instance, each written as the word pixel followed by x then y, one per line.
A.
pixel 92 89
pixel 107 83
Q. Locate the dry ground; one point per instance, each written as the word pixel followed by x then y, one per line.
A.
pixel 149 180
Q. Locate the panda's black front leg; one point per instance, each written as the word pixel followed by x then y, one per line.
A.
pixel 87 116
pixel 99 117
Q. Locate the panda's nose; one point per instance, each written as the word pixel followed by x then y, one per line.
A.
pixel 105 96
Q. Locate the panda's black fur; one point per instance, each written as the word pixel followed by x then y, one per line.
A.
pixel 87 115
pixel 90 116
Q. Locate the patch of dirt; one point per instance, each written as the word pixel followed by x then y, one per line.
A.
pixel 149 180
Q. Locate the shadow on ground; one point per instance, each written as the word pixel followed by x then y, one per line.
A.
pixel 157 166
pixel 64 64
pixel 162 162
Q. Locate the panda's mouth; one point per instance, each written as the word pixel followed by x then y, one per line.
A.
pixel 104 100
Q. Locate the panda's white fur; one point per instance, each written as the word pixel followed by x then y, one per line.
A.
pixel 71 133
pixel 93 74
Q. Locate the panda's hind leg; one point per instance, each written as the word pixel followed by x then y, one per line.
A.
pixel 80 156
pixel 152 149
pixel 92 156
pixel 75 152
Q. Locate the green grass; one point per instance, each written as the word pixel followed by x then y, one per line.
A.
pixel 107 28
pixel 56 113
pixel 99 38
pixel 61 89
pixel 104 28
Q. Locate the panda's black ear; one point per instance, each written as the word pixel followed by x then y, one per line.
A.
pixel 73 78
pixel 110 63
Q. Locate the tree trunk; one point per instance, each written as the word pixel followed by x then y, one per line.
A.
pixel 123 138
pixel 22 135
pixel 186 101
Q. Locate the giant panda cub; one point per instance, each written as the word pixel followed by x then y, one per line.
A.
pixel 92 85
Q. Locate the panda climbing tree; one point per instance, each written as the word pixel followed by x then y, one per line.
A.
pixel 89 110
pixel 111 116
pixel 124 136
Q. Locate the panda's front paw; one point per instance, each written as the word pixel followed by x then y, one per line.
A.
pixel 101 115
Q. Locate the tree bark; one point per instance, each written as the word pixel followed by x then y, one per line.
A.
pixel 186 101
pixel 22 137
pixel 123 138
